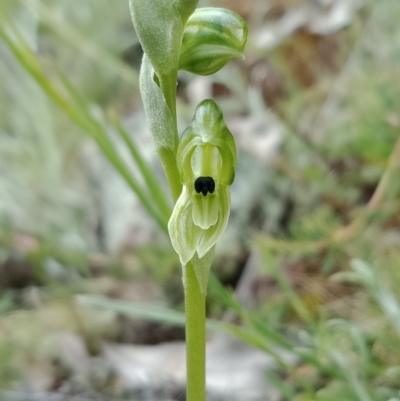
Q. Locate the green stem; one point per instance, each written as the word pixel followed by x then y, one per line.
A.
pixel 168 161
pixel 168 158
pixel 168 88
pixel 195 308
pixel 195 301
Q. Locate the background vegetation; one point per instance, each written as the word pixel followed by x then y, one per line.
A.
pixel 310 262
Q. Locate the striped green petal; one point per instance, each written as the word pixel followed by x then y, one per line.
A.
pixel 185 235
pixel 211 235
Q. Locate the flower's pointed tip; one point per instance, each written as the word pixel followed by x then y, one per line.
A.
pixel 183 233
pixel 202 252
pixel 182 248
pixel 184 255
pixel 185 258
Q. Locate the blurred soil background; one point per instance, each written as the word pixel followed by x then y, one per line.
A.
pixel 304 302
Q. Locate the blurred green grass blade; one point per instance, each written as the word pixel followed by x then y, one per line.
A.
pixel 285 390
pixel 254 339
pixel 311 357
pixel 224 295
pixel 229 300
pixel 350 375
pixel 268 245
pixel 74 94
pixel 151 312
pixel 248 337
pixel 153 185
pixel 382 295
pixel 77 110
pixel 272 335
pixel 161 314
pixel 150 179
pixel 66 32
pixel 297 304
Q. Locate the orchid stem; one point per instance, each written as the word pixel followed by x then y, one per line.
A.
pixel 195 308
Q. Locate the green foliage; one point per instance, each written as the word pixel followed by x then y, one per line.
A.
pixel 79 111
pixel 334 300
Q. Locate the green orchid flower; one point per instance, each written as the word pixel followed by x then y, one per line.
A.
pixel 206 160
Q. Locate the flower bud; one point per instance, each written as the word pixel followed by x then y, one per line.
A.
pixel 212 37
pixel 206 162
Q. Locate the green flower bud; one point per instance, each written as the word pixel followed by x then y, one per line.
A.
pixel 206 160
pixel 212 37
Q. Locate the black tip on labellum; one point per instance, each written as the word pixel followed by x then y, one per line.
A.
pixel 204 185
